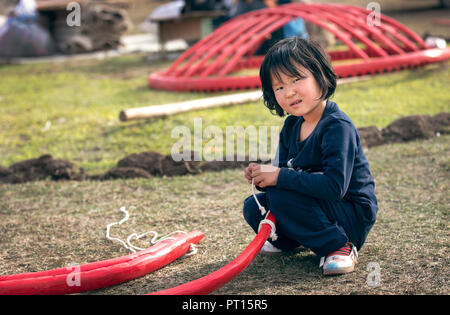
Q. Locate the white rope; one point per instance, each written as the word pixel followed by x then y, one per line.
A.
pixel 261 208
pixel 193 249
pixel 108 228
pixel 138 237
pixel 153 241
pixel 273 234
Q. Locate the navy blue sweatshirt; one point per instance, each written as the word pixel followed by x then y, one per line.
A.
pixel 329 164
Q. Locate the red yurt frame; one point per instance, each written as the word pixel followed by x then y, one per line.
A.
pixel 209 65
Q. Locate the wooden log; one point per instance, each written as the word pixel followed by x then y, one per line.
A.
pixel 225 100
pixel 176 108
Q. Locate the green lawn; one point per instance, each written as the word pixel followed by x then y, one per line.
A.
pixel 49 224
pixel 70 110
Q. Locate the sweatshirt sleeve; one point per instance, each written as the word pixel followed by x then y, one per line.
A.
pixel 281 156
pixel 338 146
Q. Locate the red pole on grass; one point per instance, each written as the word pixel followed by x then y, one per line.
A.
pixel 217 279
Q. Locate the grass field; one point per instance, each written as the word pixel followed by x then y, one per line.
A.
pixel 71 109
pixel 53 224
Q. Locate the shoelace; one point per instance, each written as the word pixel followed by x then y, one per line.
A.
pixel 343 251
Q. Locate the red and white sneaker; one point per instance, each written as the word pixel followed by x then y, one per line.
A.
pixel 269 249
pixel 341 261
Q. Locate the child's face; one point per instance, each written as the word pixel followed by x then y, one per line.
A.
pixel 298 96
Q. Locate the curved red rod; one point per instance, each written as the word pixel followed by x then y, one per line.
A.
pixel 224 44
pixel 355 32
pixel 286 14
pixel 220 34
pixel 394 23
pixel 372 31
pixel 392 27
pixel 213 37
pixel 105 273
pixel 230 51
pixel 251 42
pixel 376 65
pixel 89 266
pixel 217 279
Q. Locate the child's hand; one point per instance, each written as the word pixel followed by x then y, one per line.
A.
pixel 248 172
pixel 265 175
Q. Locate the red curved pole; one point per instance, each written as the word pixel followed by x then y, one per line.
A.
pixel 373 31
pixel 388 47
pixel 264 22
pixel 391 21
pixel 273 25
pixel 85 267
pixel 392 28
pixel 212 47
pixel 101 274
pixel 355 32
pixel 217 279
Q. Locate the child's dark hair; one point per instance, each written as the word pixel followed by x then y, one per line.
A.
pixel 283 56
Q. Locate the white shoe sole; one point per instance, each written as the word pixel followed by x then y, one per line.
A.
pixel 269 249
pixel 339 271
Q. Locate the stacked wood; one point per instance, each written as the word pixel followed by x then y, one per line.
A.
pixel 101 25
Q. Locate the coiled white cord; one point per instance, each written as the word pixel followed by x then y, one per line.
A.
pixel 153 241
pixel 263 210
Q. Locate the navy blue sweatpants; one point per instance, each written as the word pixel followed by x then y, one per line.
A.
pixel 320 225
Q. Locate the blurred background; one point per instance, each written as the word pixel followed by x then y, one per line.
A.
pixel 68 164
pixel 160 25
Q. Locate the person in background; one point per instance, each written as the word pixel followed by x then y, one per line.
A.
pixel 22 36
pixel 296 27
pixel 235 8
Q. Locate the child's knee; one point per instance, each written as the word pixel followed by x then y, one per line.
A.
pixel 250 208
pixel 280 198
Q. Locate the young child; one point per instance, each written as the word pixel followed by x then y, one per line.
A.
pixel 320 190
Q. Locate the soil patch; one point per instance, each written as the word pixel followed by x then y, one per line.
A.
pixel 416 127
pixel 148 164
pixel 370 136
pixel 125 172
pixel 409 128
pixel 41 168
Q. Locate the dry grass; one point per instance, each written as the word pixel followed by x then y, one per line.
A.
pixel 47 225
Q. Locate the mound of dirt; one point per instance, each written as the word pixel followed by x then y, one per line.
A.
pixel 406 129
pixel 441 122
pixel 370 136
pixel 148 161
pixel 125 172
pixel 148 164
pixel 4 172
pixel 41 168
pixel 216 166
pixel 409 128
pixel 173 168
pixel 156 164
